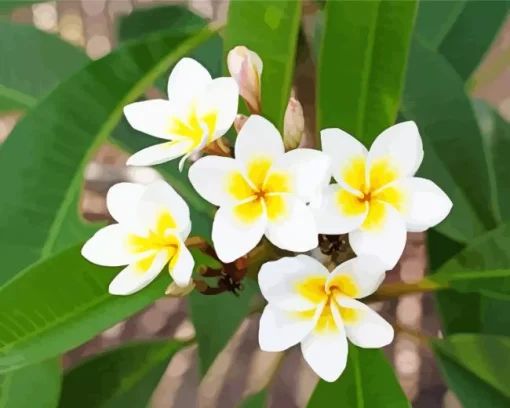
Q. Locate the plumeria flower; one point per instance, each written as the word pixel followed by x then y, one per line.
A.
pixel 199 110
pixel 245 66
pixel 377 199
pixel 320 310
pixel 153 222
pixel 262 191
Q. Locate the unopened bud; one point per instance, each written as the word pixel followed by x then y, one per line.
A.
pixel 179 291
pixel 293 125
pixel 245 66
pixel 239 122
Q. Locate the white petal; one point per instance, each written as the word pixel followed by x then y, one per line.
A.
pixel 278 281
pixel 326 351
pixel 211 177
pixel 151 117
pixel 258 137
pixel 368 329
pixel 309 170
pixel 335 215
pixel 160 153
pixel 295 229
pixel 402 146
pixel 131 279
pixel 109 247
pixel 280 329
pixel 187 80
pixel 343 150
pixel 386 240
pixel 160 198
pixel 182 267
pixel 233 238
pixel 427 205
pixel 364 274
pixel 221 96
pixel 122 201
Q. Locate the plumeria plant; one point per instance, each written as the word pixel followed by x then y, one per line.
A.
pixel 279 197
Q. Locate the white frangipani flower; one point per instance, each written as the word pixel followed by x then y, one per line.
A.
pixel 377 199
pixel 262 191
pixel 199 110
pixel 153 222
pixel 309 305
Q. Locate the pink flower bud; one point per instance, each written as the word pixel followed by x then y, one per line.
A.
pixel 245 67
pixel 293 125
pixel 239 122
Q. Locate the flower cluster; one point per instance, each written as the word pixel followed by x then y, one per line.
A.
pixel 271 187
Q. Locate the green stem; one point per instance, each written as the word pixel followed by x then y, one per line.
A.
pixel 394 290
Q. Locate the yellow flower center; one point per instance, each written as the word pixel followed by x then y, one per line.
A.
pixel 316 291
pixel 264 191
pixel 374 195
pixel 156 241
pixel 192 127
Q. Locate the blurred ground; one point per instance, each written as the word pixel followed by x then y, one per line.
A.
pixel 242 367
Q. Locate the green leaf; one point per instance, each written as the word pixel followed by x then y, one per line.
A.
pixel 37 63
pixel 258 400
pixel 216 318
pixel 62 302
pixel 123 377
pixel 362 64
pixel 8 5
pixel 434 98
pixel 493 283
pixel 270 28
pixel 368 381
pixel 476 368
pixel 436 18
pixel 42 162
pixel 38 382
pixel 181 19
pixel 447 26
pixel 475 312
pixel 496 137
pixel 463 49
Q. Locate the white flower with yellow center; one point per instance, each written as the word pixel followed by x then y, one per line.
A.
pixel 199 110
pixel 262 191
pixel 153 222
pixel 377 199
pixel 309 305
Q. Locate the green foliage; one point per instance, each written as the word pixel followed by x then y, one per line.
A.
pixel 490 283
pixel 447 122
pixel 9 5
pixel 487 253
pixel 66 302
pixel 216 318
pixel 37 382
pixel 123 377
pixel 368 381
pixel 37 63
pixel 42 162
pixel 496 137
pixel 476 368
pixel 447 26
pixel 258 400
pixel 363 50
pixel 360 77
pixel 270 28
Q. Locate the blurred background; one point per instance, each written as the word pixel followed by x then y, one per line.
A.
pixel 241 368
